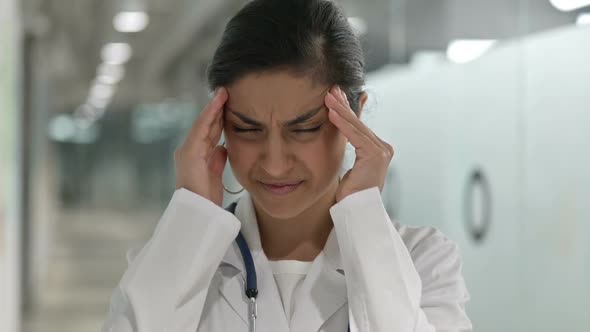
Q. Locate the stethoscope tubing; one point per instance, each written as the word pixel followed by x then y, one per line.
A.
pixel 251 288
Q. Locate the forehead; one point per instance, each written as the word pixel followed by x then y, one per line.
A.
pixel 276 94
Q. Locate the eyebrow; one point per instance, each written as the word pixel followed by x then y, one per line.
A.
pixel 299 119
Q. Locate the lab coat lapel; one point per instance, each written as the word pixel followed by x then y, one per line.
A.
pixel 232 290
pixel 323 291
pixel 271 316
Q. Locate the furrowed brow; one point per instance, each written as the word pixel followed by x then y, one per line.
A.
pixel 299 119
pixel 305 116
pixel 244 118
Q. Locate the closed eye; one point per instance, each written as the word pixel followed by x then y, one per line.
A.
pixel 309 130
pixel 245 130
pixel 248 130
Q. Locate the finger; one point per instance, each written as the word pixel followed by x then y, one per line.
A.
pixel 201 128
pixel 354 136
pixel 361 125
pixel 332 100
pixel 218 160
pixel 347 114
pixel 344 97
pixel 384 146
pixel 214 136
pixel 211 114
pixel 388 147
pixel 216 129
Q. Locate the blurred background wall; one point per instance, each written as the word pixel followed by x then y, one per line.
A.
pixel 485 102
pixel 491 153
pixel 10 162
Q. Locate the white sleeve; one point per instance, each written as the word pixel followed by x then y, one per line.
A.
pixel 385 290
pixel 174 269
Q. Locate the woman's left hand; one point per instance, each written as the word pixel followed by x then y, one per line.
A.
pixel 372 153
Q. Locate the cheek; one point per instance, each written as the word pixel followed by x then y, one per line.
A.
pixel 241 157
pixel 334 144
pixel 325 154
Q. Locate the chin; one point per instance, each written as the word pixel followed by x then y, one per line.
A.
pixel 282 211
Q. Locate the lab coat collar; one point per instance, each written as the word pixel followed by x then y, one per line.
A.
pixel 247 216
pixel 322 293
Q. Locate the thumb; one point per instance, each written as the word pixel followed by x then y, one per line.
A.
pixel 218 160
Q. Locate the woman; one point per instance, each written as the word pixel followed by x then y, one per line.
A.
pixel 288 77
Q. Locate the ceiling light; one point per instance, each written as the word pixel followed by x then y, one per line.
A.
pixel 583 19
pixel 98 103
pixel 101 91
pixel 569 5
pixel 116 53
pixel 130 21
pixel 358 25
pixel 466 50
pixel 85 115
pixel 62 128
pixel 108 73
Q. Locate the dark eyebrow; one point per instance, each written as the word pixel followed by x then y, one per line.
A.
pixel 305 116
pixel 244 118
pixel 299 119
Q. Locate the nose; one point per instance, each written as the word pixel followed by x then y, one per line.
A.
pixel 276 159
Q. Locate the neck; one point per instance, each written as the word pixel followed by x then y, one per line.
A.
pixel 300 238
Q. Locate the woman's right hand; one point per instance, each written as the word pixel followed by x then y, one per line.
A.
pixel 199 161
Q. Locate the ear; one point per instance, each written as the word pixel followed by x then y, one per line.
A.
pixel 362 100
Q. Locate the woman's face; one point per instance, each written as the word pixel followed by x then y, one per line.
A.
pixel 278 133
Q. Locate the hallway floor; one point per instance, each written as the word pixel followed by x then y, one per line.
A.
pixel 85 262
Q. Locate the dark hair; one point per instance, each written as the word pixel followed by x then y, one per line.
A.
pixel 306 36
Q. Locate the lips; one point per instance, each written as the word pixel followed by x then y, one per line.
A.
pixel 280 184
pixel 281 188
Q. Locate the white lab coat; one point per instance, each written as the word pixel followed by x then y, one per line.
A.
pixel 379 275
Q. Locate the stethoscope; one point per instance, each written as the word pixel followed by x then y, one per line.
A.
pixel 251 279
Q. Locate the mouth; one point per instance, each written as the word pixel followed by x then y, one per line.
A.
pixel 282 188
